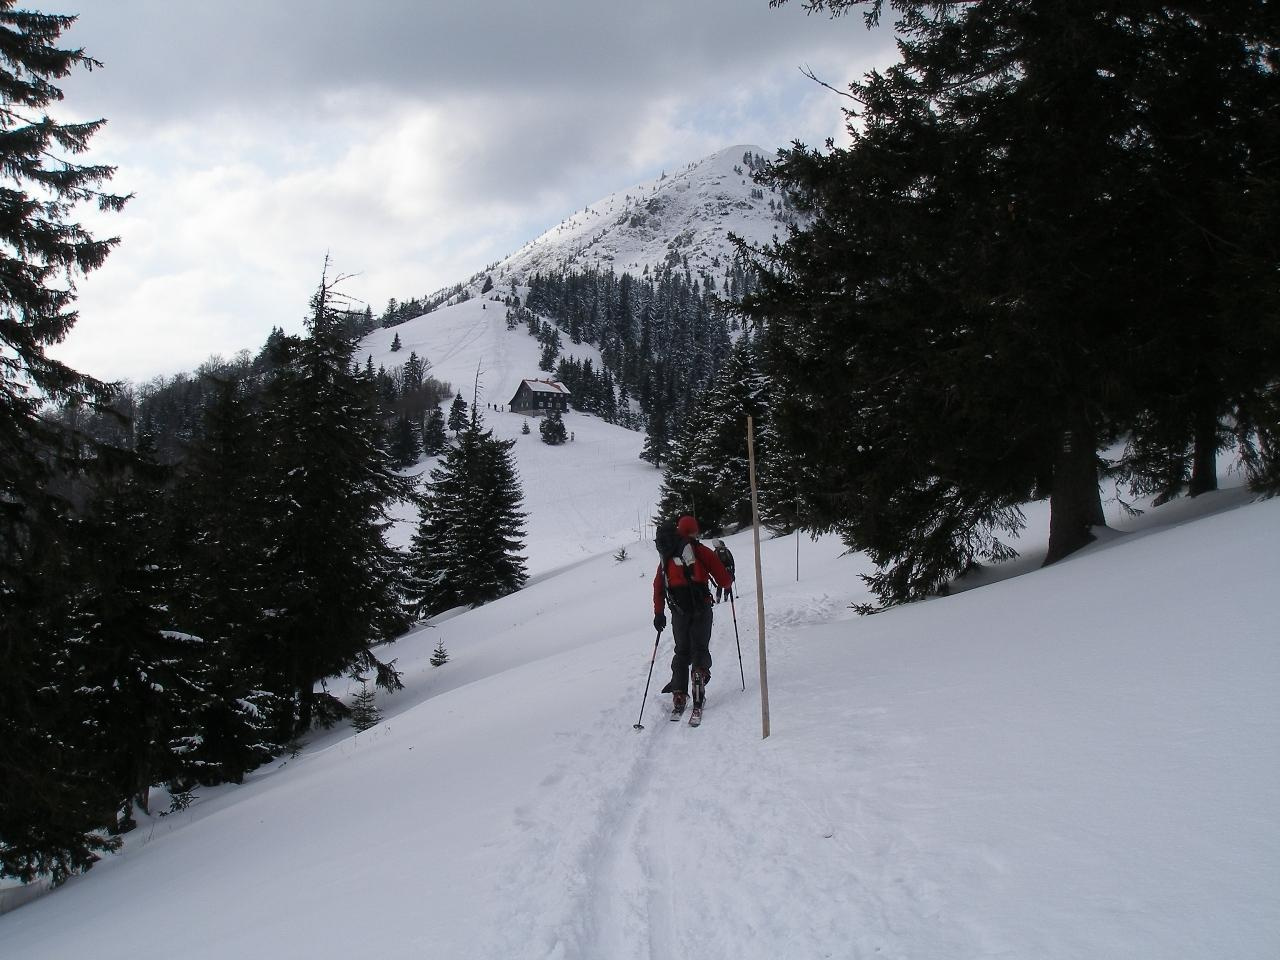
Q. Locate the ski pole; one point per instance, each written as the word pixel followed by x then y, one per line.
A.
pixel 638 725
pixel 734 610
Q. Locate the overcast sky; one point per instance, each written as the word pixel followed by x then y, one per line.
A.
pixel 414 141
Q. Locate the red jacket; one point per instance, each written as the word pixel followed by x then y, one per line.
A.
pixel 705 563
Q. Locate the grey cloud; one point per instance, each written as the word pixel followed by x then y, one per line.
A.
pixel 166 58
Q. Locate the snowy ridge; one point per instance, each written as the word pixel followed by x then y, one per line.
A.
pixel 687 214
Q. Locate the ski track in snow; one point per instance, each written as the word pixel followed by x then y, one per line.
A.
pixel 643 857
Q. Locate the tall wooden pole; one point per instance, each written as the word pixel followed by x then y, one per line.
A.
pixel 755 526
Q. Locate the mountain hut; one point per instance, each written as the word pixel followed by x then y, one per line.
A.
pixel 536 397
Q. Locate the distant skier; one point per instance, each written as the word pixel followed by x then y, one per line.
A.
pixel 683 583
pixel 726 558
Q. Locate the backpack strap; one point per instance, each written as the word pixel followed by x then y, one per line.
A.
pixel 689 583
pixel 666 581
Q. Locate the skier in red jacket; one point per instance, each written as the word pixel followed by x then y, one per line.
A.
pixel 683 582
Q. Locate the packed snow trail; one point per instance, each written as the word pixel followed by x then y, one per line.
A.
pixel 709 842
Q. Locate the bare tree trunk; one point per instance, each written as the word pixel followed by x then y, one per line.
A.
pixel 1204 460
pixel 306 700
pixel 1075 503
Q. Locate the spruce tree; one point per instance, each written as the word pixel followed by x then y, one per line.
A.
pixel 467 548
pixel 552 429
pixel 458 414
pixel 414 372
pixel 140 676
pixel 1209 142
pixel 224 597
pixel 656 439
pixel 434 438
pixel 970 303
pixel 440 656
pixel 50 811
pixel 329 487
pixel 706 469
pixel 365 714
pixel 405 446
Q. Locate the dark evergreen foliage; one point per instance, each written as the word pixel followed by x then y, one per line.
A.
pixel 706 472
pixel 137 679
pixel 398 312
pixel 552 429
pixel 590 391
pixel 406 445
pixel 982 300
pixel 365 714
pixel 467 548
pixel 223 592
pixel 660 340
pixel 328 486
pixel 458 414
pixel 434 437
pixel 51 806
pixel 440 656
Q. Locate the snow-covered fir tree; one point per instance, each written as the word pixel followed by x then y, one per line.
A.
pixel 552 429
pixel 222 595
pixel 329 488
pixel 51 805
pixel 365 714
pixel 405 444
pixel 458 414
pixel 434 437
pixel 439 656
pixel 467 548
pixel 706 469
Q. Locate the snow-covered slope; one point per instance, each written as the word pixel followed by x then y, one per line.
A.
pixel 1082 761
pixel 582 498
pixel 685 214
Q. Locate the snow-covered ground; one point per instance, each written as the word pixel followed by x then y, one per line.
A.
pixel 582 498
pixel 1076 762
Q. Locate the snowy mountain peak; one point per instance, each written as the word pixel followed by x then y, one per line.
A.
pixel 681 218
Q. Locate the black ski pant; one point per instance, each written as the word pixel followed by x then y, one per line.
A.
pixel 692 632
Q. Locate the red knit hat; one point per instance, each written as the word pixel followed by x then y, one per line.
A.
pixel 687 526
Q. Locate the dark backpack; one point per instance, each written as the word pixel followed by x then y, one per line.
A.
pixel 668 541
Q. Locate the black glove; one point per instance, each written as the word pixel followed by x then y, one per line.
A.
pixel 659 621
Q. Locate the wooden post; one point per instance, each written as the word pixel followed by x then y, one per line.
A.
pixel 755 526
